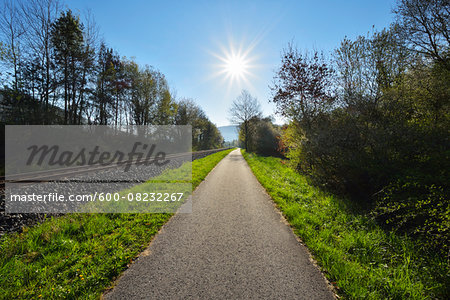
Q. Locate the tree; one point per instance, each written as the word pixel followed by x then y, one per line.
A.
pixel 87 65
pixel 425 24
pixel 143 93
pixel 266 137
pixel 12 30
pixel 205 134
pixel 263 136
pixel 107 64
pixel 38 17
pixel 166 109
pixel 368 66
pixel 188 112
pixel 382 139
pixel 209 136
pixel 301 87
pixel 67 40
pixel 242 110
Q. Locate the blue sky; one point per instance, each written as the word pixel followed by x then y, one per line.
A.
pixel 186 40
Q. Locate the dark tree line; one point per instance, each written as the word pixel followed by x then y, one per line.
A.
pixel 55 70
pixel 372 121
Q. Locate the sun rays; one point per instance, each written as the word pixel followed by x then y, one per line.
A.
pixel 235 65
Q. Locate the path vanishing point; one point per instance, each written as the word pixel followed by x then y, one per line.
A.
pixel 234 245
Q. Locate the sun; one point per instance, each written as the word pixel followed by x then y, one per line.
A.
pixel 235 66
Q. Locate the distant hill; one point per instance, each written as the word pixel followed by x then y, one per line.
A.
pixel 229 133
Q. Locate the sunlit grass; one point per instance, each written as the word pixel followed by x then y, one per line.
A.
pixel 77 256
pixel 361 260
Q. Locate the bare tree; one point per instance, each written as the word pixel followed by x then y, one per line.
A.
pixel 38 16
pixel 425 24
pixel 243 109
pixel 11 27
pixel 87 60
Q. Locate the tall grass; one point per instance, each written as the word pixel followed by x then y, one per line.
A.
pixel 358 257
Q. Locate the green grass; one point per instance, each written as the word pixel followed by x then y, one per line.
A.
pixel 358 257
pixel 78 256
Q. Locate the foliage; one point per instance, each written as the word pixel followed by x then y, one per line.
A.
pixel 2 52
pixel 22 109
pixel 67 40
pixel 205 134
pixel 380 135
pixel 360 259
pixel 262 134
pixel 409 206
pixel 107 85
pixel 300 89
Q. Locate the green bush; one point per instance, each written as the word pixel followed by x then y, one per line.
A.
pixel 381 138
pixel 422 211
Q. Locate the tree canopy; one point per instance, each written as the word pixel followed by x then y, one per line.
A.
pixel 56 71
pixel 372 121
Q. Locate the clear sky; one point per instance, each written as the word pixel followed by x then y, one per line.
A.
pixel 210 50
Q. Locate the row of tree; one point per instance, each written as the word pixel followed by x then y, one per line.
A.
pixel 372 121
pixel 56 71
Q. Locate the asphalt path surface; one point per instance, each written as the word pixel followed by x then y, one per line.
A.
pixel 234 245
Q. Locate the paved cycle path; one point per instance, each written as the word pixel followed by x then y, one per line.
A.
pixel 233 245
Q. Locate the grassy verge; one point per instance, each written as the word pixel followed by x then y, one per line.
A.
pixel 360 259
pixel 77 256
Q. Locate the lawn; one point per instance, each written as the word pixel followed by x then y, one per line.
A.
pixel 78 256
pixel 360 259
